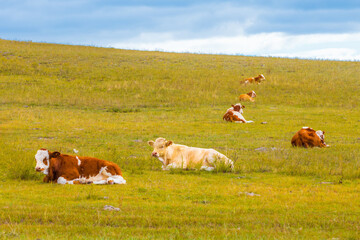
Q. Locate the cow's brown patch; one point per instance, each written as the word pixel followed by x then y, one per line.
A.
pixel 66 166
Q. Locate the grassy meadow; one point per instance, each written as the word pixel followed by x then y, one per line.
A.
pixel 108 103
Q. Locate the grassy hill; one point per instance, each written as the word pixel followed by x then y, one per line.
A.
pixel 108 103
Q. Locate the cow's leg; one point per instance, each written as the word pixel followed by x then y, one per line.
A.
pixel 63 180
pixel 171 165
pixel 239 122
pixel 116 179
pixel 46 179
pixel 100 182
pixel 216 158
pixel 111 178
pixel 77 181
pixel 100 178
pixel 206 168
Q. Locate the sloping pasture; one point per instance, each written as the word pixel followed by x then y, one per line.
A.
pixel 108 103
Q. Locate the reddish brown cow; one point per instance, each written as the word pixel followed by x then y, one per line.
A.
pixel 234 114
pixel 248 96
pixel 257 79
pixel 67 169
pixel 308 137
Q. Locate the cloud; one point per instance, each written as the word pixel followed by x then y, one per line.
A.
pixel 301 28
pixel 315 46
pixel 50 20
pixel 326 53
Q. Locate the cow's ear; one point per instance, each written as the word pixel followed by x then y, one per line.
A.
pixel 168 143
pixel 151 143
pixel 232 105
pixel 323 132
pixel 54 154
pixel 243 106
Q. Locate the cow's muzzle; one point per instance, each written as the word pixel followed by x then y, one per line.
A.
pixel 154 154
pixel 39 169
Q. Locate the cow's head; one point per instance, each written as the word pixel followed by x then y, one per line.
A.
pixel 252 94
pixel 160 146
pixel 42 158
pixel 238 108
pixel 321 135
pixel 260 78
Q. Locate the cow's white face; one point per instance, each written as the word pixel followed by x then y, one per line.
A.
pixel 159 146
pixel 253 94
pixel 321 135
pixel 42 161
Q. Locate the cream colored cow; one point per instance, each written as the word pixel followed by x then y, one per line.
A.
pixel 180 156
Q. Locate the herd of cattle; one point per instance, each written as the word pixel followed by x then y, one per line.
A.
pixel 67 169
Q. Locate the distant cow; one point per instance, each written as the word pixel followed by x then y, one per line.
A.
pixel 257 79
pixel 234 114
pixel 308 137
pixel 180 156
pixel 67 169
pixel 248 96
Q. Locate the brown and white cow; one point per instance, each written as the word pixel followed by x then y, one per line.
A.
pixel 180 156
pixel 257 79
pixel 248 96
pixel 235 114
pixel 308 137
pixel 67 169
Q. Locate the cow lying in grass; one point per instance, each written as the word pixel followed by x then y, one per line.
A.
pixel 234 114
pixel 180 156
pixel 248 96
pixel 67 169
pixel 257 79
pixel 308 137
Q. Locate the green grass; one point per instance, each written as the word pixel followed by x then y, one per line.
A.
pixel 164 205
pixel 108 103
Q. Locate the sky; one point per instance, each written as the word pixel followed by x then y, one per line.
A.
pixel 311 29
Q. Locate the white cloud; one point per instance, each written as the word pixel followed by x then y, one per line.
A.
pixel 316 46
pixel 327 53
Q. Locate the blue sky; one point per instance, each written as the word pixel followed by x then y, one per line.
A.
pixel 306 29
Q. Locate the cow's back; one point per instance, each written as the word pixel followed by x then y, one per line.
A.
pixel 90 166
pixel 245 97
pixel 194 156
